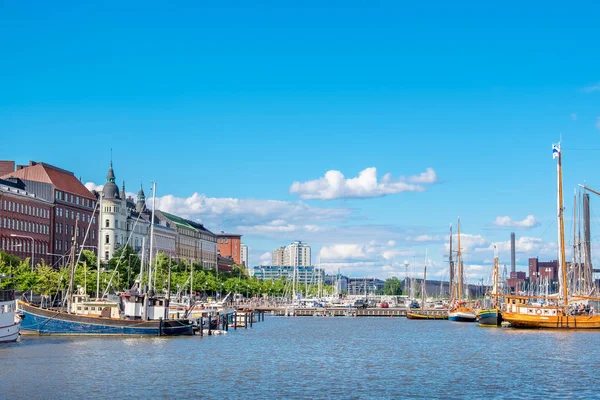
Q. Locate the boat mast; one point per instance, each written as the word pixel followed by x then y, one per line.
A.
pixel 151 236
pixel 561 226
pixel 423 294
pixel 451 267
pixel 495 277
pixel 575 282
pixel 101 194
pixel 460 266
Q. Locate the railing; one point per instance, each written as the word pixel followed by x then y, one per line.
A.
pixel 7 295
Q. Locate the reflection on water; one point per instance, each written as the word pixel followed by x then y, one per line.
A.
pixel 309 358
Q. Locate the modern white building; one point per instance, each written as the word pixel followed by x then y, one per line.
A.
pixel 297 254
pixel 304 275
pixel 244 255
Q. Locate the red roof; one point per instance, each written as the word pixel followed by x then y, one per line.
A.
pixel 63 180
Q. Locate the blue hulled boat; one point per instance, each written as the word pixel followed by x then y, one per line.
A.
pixel 44 321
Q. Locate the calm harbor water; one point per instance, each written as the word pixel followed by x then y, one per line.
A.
pixel 310 358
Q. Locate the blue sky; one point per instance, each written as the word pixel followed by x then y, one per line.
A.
pixel 236 103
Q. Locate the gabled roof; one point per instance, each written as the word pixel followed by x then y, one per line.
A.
pixel 61 179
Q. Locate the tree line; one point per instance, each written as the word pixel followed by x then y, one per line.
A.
pixel 122 271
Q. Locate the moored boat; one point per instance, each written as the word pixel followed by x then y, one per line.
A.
pixel 462 314
pixel 490 317
pixel 565 310
pixel 459 310
pixel 9 322
pixel 424 315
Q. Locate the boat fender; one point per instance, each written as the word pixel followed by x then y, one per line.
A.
pixel 538 312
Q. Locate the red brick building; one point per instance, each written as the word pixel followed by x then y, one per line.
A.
pixel 230 245
pixel 542 270
pixel 73 209
pixel 25 222
pixel 517 281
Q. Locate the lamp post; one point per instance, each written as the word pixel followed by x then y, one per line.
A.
pixel 32 250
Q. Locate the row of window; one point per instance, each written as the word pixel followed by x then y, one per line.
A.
pixel 112 209
pixel 58 195
pixel 80 217
pixel 23 245
pixel 58 228
pixel 223 240
pixel 58 245
pixel 26 209
pixel 24 226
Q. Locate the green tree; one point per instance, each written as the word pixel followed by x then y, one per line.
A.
pixel 392 286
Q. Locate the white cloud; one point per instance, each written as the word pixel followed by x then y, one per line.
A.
pixel 424 238
pixel 266 258
pixel 92 186
pixel 333 185
pixel 279 226
pixel 574 116
pixel 529 222
pixel 591 88
pixel 232 211
pixel 343 252
pixel 391 243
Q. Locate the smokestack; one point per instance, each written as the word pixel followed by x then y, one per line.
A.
pixel 513 264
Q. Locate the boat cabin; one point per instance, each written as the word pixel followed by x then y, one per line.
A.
pixel 522 305
pixel 83 305
pixel 136 308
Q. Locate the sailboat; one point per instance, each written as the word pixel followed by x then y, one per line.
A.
pixel 144 314
pixel 423 314
pixel 564 310
pixel 492 316
pixel 459 310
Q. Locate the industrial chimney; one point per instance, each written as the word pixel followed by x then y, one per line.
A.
pixel 513 265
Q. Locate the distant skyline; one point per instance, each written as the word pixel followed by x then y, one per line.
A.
pixel 362 129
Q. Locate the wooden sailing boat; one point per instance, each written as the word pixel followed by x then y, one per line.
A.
pixel 459 310
pixel 492 316
pixel 556 312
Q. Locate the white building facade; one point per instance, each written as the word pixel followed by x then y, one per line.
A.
pixel 297 254
pixel 244 255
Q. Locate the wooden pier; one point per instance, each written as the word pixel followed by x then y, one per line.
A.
pixel 340 311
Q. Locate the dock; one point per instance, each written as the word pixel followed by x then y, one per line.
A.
pixel 340 311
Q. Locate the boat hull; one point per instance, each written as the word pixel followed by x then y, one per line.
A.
pixel 490 318
pixel 9 333
pixel 416 315
pixel 462 316
pixel 552 321
pixel 50 322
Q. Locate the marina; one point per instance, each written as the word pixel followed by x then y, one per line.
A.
pixel 336 357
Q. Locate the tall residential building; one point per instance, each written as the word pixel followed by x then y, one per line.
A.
pixel 73 215
pixel 229 246
pixel 297 254
pixel 25 228
pixel 277 256
pixel 244 257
